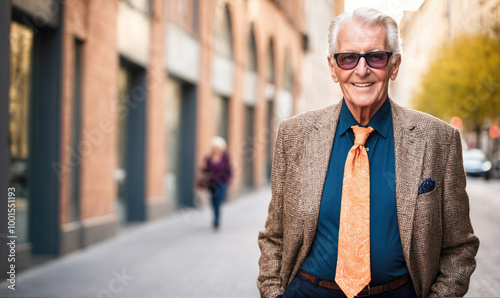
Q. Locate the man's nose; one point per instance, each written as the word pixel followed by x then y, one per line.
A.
pixel 362 68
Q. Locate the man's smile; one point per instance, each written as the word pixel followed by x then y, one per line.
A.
pixel 362 84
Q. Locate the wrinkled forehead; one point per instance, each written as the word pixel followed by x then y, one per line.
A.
pixel 356 36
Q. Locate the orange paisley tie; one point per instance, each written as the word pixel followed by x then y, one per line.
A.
pixel 353 262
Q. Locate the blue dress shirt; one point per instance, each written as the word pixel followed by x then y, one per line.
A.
pixel 387 261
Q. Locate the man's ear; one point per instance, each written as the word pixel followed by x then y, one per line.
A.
pixel 332 69
pixel 395 68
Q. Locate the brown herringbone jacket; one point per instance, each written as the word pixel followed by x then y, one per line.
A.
pixel 436 234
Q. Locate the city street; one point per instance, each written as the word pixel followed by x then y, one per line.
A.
pixel 181 256
pixel 113 110
pixel 485 204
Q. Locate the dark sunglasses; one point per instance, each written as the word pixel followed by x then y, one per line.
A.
pixel 375 59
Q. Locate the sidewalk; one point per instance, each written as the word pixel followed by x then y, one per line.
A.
pixel 180 256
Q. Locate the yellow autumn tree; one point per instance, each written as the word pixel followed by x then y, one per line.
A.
pixel 463 80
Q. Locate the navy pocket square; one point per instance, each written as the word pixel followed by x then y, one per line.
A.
pixel 427 186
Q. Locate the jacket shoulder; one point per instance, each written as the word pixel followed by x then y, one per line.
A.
pixel 426 124
pixel 304 122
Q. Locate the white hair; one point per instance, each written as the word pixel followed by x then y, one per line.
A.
pixel 371 17
pixel 219 142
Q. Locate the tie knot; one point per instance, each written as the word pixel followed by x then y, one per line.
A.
pixel 361 134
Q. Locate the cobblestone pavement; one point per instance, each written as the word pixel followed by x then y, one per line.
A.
pixel 182 256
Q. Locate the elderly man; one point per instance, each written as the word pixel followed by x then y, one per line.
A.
pixel 368 197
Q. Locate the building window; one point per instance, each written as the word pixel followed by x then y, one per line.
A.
pixel 144 6
pixel 249 156
pixel 252 53
pixel 270 93
pixel 221 115
pixel 172 99
pixel 124 82
pixel 270 64
pixel 74 203
pixel 288 75
pixel 21 46
pixel 180 121
pixel 196 9
pixel 222 31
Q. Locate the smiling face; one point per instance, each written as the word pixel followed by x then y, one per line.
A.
pixel 363 87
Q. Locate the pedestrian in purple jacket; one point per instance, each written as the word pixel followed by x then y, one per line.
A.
pixel 217 170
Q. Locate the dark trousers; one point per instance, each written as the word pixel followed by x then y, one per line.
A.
pixel 301 287
pixel 217 194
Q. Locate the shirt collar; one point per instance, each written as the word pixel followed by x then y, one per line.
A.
pixel 381 121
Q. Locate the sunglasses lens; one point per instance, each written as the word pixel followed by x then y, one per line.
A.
pixel 347 60
pixel 373 59
pixel 377 59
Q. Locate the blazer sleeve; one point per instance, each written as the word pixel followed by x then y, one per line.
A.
pixel 271 238
pixel 460 245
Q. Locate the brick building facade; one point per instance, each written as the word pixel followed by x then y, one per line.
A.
pixel 121 98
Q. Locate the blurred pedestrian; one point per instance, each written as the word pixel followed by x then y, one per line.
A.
pixel 368 197
pixel 217 175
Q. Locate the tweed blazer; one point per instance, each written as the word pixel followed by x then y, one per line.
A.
pixel 436 233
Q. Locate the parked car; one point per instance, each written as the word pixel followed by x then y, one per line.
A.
pixel 476 163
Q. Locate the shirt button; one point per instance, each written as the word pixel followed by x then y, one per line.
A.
pixel 367 149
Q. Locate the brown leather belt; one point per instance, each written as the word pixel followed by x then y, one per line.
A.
pixel 367 291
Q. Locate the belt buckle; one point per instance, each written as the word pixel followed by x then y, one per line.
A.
pixel 364 295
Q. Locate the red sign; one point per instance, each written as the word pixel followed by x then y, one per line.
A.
pixel 494 132
pixel 456 122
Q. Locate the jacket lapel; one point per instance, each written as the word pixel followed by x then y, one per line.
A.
pixel 409 153
pixel 317 150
